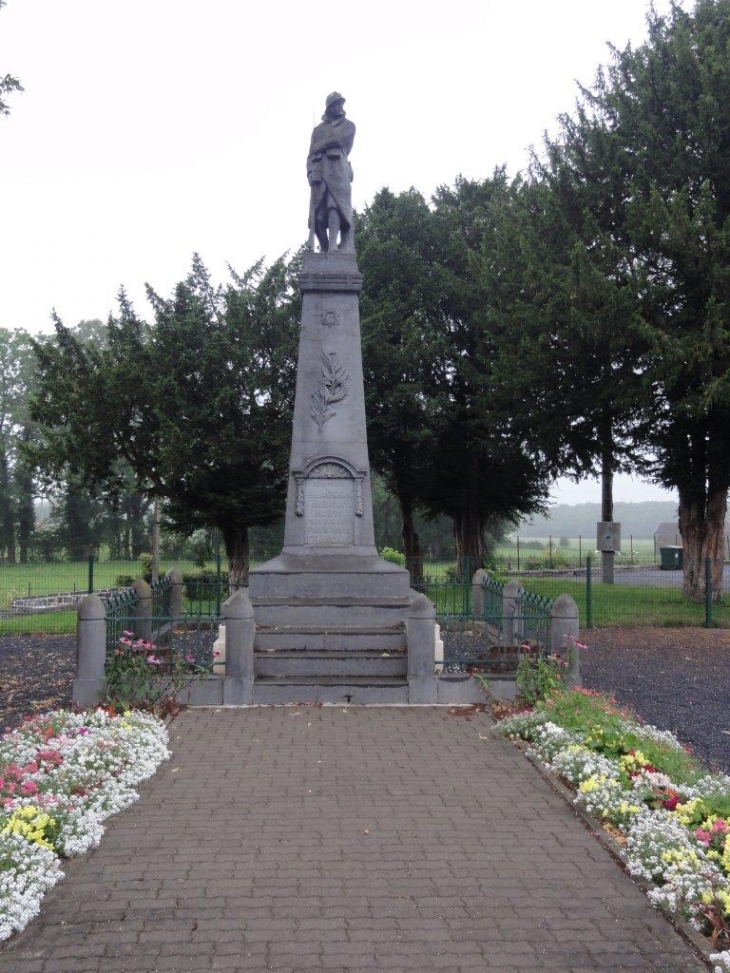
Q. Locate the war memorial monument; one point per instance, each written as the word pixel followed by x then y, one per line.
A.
pixel 332 618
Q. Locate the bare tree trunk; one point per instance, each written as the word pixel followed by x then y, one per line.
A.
pixel 237 551
pixel 7 519
pixel 702 530
pixel 469 538
pixel 411 540
pixel 25 493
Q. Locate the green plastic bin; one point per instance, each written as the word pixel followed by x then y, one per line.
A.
pixel 672 559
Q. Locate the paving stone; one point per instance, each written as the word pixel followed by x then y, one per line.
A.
pixel 342 839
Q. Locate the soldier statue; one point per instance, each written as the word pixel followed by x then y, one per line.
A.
pixel 329 173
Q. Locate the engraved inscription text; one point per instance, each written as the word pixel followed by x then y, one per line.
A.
pixel 329 512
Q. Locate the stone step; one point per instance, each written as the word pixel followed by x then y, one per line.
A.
pixel 358 665
pixel 334 611
pixel 277 690
pixel 328 577
pixel 333 638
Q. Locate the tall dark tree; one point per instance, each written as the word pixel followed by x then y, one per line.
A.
pixel 647 155
pixel 486 474
pixel 198 404
pixel 435 429
pixel 571 348
pixel 404 347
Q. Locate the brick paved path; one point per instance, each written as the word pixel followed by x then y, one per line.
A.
pixel 300 839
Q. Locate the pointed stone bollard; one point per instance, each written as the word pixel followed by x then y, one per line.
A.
pixel 176 593
pixel 564 626
pixel 90 683
pixel 143 610
pixel 512 607
pixel 421 648
pixel 478 581
pixel 238 681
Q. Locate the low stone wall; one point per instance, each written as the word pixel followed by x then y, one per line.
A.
pixel 61 601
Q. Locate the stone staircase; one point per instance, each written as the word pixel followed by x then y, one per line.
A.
pixel 337 635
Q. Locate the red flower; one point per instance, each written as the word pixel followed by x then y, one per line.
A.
pixel 671 802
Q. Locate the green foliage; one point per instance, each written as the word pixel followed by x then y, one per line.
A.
pixel 536 678
pixel 146 562
pixel 137 677
pixel 198 403
pixel 436 432
pixel 638 191
pixel 395 557
pixel 201 586
pixel 603 725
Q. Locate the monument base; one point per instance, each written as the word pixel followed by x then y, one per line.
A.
pixel 333 621
pixel 330 627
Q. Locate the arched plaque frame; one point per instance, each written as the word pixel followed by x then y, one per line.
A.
pixel 329 468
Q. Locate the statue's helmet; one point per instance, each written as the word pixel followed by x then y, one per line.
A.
pixel 332 98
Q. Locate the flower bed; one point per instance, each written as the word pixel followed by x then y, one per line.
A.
pixel 61 776
pixel 668 813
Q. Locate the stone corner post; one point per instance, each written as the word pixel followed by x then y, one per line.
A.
pixel 89 682
pixel 143 610
pixel 511 607
pixel 176 592
pixel 564 628
pixel 421 648
pixel 479 579
pixel 238 681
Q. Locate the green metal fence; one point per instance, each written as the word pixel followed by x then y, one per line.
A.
pixel 640 594
pixel 43 597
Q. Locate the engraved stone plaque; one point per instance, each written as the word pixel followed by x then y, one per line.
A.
pixel 329 512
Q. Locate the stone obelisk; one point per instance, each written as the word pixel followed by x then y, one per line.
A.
pixel 328 610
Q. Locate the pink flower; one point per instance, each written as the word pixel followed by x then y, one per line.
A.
pixel 719 827
pixel 28 787
pixel 50 757
pixel 671 802
pixel 190 658
pixel 128 634
pixel 83 731
pixel 216 654
pixel 153 660
pixel 704 837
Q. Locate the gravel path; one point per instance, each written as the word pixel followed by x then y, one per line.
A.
pixel 677 679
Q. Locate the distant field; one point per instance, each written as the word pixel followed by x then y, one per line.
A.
pixel 536 552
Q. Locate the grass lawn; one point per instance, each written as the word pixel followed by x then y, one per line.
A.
pixel 628 605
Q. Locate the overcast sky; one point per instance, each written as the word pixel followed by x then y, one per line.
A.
pixel 152 129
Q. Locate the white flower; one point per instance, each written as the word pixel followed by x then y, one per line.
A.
pixel 95 763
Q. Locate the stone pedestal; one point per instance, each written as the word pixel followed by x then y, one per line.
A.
pixel 330 614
